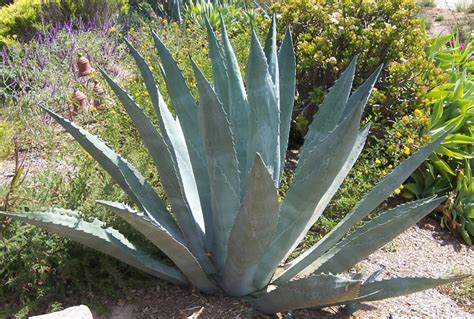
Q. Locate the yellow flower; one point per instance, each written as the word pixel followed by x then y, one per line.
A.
pixel 113 112
pixel 88 156
pixel 390 166
pixel 145 93
pixel 152 68
pixel 397 191
pixel 398 134
pixel 418 112
pixel 406 150
pixel 378 162
pixel 410 140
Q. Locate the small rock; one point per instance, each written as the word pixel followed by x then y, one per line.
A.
pixel 77 312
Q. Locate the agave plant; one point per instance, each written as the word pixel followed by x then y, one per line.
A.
pixel 220 162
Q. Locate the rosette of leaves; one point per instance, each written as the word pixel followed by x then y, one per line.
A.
pixel 220 162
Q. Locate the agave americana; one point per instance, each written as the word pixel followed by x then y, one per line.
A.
pixel 220 162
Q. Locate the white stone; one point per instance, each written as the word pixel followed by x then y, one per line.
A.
pixel 77 312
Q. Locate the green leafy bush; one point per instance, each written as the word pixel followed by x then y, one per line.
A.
pixel 5 139
pixel 327 34
pixel 62 10
pixel 44 72
pixel 19 19
pixel 452 106
pixel 23 18
pixel 234 15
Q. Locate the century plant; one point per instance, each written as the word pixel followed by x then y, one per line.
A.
pixel 220 162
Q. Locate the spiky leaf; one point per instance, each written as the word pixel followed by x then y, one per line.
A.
pixel 174 248
pixel 373 235
pixel 186 110
pixel 291 270
pixel 219 71
pixel 330 110
pixel 129 179
pixel 371 201
pixel 222 165
pixel 395 287
pixel 287 83
pixel 299 210
pixel 252 232
pixel 239 110
pixel 308 292
pixel 95 235
pixel 264 110
pixel 170 154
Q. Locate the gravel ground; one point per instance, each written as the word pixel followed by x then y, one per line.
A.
pixel 423 250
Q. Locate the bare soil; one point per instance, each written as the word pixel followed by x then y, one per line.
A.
pixel 449 19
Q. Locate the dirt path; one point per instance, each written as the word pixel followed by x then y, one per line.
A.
pixel 423 250
pixel 444 18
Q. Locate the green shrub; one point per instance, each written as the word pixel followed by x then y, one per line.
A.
pixel 44 73
pixel 327 34
pixel 427 3
pixel 451 106
pixel 62 10
pixel 6 133
pixel 23 18
pixel 19 19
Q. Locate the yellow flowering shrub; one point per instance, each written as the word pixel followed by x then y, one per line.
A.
pixel 327 35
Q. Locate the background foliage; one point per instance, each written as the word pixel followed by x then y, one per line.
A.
pixel 327 35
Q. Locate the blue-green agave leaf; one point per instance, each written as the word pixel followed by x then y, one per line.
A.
pixel 219 71
pixel 222 165
pixel 187 112
pixel 330 110
pixel 362 94
pixel 287 84
pixel 366 205
pixel 272 56
pixel 310 292
pixel 395 287
pixel 170 154
pixel 238 106
pixel 129 179
pixel 174 248
pixel 299 210
pixel 96 235
pixel 252 232
pixel 373 235
pixel 291 269
pixel 264 110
